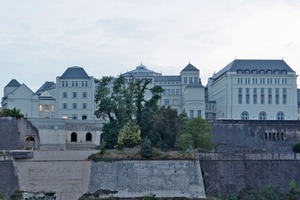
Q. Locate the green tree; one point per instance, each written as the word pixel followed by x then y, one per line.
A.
pixel 146 148
pixel 2 196
pixel 296 148
pixel 129 136
pixel 11 113
pixel 196 134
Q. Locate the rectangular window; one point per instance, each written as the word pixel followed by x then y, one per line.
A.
pixel 262 80
pixel 276 95
pixel 168 91
pixel 262 96
pixel 86 83
pixel 67 84
pixel 65 105
pixel 63 84
pixel 247 95
pixel 47 108
pixel 269 95
pixel 65 94
pixel 74 105
pixel 284 96
pixel 254 96
pixel 199 113
pixel 84 117
pixel 185 80
pixel 173 91
pixel 74 94
pixel 190 79
pixel 84 106
pixel 74 116
pixel 166 101
pixel 73 83
pixel 52 108
pixel 41 108
pixel 177 91
pixel 191 114
pixel 82 83
pixel 196 80
pixel 240 96
pixel 84 94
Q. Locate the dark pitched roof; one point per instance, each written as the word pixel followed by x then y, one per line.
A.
pixel 48 85
pixel 190 67
pixel 75 73
pixel 254 65
pixel 167 78
pixel 141 70
pixel 13 83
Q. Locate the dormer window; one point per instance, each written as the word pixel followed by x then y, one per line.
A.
pixel 239 71
pixel 254 71
pixel 261 71
pixel 247 72
pixel 269 72
pixel 276 72
pixel 283 72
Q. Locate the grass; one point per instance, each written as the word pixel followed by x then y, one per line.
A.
pixel 134 154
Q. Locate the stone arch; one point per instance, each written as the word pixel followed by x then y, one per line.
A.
pixel 280 115
pixel 262 115
pixel 245 115
pixel 29 142
pixel 73 137
pixel 30 138
pixel 88 137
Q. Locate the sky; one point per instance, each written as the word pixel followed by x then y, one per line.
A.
pixel 40 39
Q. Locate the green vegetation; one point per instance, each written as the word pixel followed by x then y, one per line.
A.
pixel 146 149
pixel 11 113
pixel 2 197
pixel 132 118
pixel 17 195
pixel 296 148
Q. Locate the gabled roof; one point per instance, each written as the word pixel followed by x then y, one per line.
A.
pixel 141 70
pixel 75 73
pixel 190 67
pixel 13 83
pixel 46 96
pixel 48 85
pixel 167 78
pixel 241 64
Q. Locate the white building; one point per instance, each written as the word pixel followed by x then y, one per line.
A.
pixel 255 90
pixel 183 92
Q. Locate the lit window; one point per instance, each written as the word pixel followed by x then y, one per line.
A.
pixel 52 108
pixel 47 108
pixel 41 108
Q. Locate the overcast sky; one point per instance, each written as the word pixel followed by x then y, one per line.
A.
pixel 40 39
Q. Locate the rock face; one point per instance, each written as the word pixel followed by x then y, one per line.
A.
pixel 142 178
pixel 9 179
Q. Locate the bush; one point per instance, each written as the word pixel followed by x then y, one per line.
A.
pixel 296 148
pixel 146 149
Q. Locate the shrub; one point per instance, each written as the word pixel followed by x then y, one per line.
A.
pixel 146 149
pixel 296 148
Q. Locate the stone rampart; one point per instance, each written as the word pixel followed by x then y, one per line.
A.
pixel 225 174
pixel 255 135
pixel 141 178
pixel 8 176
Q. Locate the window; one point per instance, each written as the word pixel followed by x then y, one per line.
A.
pixel 247 95
pixel 184 80
pixel 74 116
pixel 41 108
pixel 88 137
pixel 254 96
pixel 84 106
pixel 199 113
pixel 166 101
pixel 191 114
pixel 65 105
pixel 262 80
pixel 84 94
pixel 262 96
pixel 173 91
pixel 269 95
pixel 177 91
pixel 63 84
pixel 254 80
pixel 64 116
pixel 74 105
pixel 52 108
pixel 73 83
pixel 280 115
pixel 73 137
pixel 74 94
pixel 84 117
pixel 190 79
pixel 262 115
pixel 196 80
pixel 276 95
pixel 65 94
pixel 284 96
pixel 240 96
pixel 67 84
pixel 245 115
pixel 47 108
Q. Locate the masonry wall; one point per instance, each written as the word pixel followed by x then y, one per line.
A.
pixel 9 133
pixel 9 179
pixel 141 178
pixel 255 136
pixel 229 175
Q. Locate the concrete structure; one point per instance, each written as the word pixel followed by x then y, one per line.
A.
pixel 254 90
pixel 183 92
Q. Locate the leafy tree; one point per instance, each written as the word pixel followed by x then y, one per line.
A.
pixel 146 148
pixel 197 134
pixel 11 113
pixel 129 135
pixel 296 148
pixel 110 132
pixel 2 196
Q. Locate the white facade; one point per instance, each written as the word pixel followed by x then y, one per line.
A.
pixel 183 93
pixel 255 90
